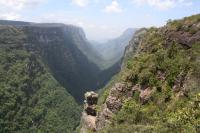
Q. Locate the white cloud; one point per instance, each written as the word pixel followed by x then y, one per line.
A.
pixel 12 9
pixel 81 3
pixel 163 4
pixel 113 7
pixel 10 16
pixel 19 4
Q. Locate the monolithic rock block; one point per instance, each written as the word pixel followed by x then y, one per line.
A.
pixel 91 98
pixel 90 109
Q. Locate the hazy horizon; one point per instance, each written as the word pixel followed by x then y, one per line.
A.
pixel 100 19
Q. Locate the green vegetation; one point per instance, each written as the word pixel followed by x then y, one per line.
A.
pixel 31 99
pixel 173 74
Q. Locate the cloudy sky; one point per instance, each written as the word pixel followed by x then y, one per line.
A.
pixel 99 18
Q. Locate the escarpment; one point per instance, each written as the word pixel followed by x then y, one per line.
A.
pixel 31 98
pixel 45 70
pixel 68 55
pixel 158 87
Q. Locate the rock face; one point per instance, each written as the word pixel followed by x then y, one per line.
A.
pixel 160 84
pixel 131 48
pixel 120 91
pixel 31 98
pixel 89 115
pixel 118 94
pixel 68 55
pixel 134 42
pixel 59 46
pixel 113 104
pixel 90 103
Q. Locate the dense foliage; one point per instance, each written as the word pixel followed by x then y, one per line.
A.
pixel 171 69
pixel 31 100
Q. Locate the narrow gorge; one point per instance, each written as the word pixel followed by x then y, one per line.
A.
pixel 157 90
pixel 45 71
pixel 54 80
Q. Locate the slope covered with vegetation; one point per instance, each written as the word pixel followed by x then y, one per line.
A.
pixel 163 77
pixel 31 100
pixel 65 50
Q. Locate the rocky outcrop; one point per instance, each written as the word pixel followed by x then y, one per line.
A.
pixel 90 103
pixel 184 38
pixel 158 80
pixel 89 114
pixel 134 42
pixel 131 49
pixel 185 33
pixel 118 93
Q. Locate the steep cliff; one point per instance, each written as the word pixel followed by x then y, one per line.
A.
pixel 43 67
pixel 158 88
pixel 68 55
pixel 30 97
pixel 61 52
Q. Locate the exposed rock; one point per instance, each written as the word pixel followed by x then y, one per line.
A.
pixel 178 86
pixel 131 49
pixel 161 75
pixel 91 98
pixel 145 95
pixel 90 110
pixel 136 88
pixel 198 25
pixel 90 103
pixel 182 37
pixel 118 93
pixel 117 90
pixel 104 117
pixel 89 114
pixel 113 104
pixel 88 122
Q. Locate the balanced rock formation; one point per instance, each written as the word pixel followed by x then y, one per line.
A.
pixel 89 114
pixel 90 103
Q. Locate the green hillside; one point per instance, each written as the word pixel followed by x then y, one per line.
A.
pixel 164 79
pixel 31 99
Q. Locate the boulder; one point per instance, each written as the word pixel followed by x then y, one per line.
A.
pixel 113 104
pixel 90 110
pixel 145 95
pixel 89 115
pixel 88 122
pixel 91 99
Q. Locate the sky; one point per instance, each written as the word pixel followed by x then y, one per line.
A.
pixel 100 19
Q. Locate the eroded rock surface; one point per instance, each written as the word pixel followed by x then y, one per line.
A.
pixel 113 104
pixel 89 114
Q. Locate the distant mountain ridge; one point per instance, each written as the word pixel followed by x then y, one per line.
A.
pixel 113 49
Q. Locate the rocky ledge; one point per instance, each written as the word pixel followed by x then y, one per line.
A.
pixel 119 93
